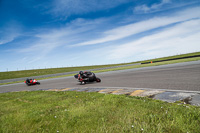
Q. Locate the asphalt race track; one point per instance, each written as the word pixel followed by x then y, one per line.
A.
pixel 180 76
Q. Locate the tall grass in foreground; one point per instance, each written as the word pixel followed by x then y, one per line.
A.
pixel 67 112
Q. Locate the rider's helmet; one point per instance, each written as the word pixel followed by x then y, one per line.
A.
pixel 81 72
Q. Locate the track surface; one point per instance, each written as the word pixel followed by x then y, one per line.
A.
pixel 180 76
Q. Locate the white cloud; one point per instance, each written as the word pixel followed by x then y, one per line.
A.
pixel 8 38
pixel 145 8
pixel 163 5
pixel 70 7
pixel 131 29
pixel 45 41
pixel 80 30
pixel 182 38
pixel 8 34
pixel 73 32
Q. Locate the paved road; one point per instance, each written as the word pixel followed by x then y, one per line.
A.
pixel 180 76
pixel 66 73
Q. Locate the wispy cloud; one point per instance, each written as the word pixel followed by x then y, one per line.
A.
pixel 78 30
pixel 56 33
pixel 145 8
pixel 181 38
pixel 44 41
pixel 7 38
pixel 135 28
pixel 65 8
pixel 9 33
pixel 163 5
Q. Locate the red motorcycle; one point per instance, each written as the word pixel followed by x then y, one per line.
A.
pixel 31 82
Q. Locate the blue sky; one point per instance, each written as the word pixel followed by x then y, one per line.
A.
pixel 63 33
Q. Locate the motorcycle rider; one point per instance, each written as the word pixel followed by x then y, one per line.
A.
pixel 90 76
pixel 30 80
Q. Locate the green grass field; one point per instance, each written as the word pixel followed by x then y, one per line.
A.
pixel 172 57
pixel 38 72
pixel 67 112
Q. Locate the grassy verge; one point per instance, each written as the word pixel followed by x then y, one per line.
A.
pixel 173 57
pixel 151 64
pixel 39 111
